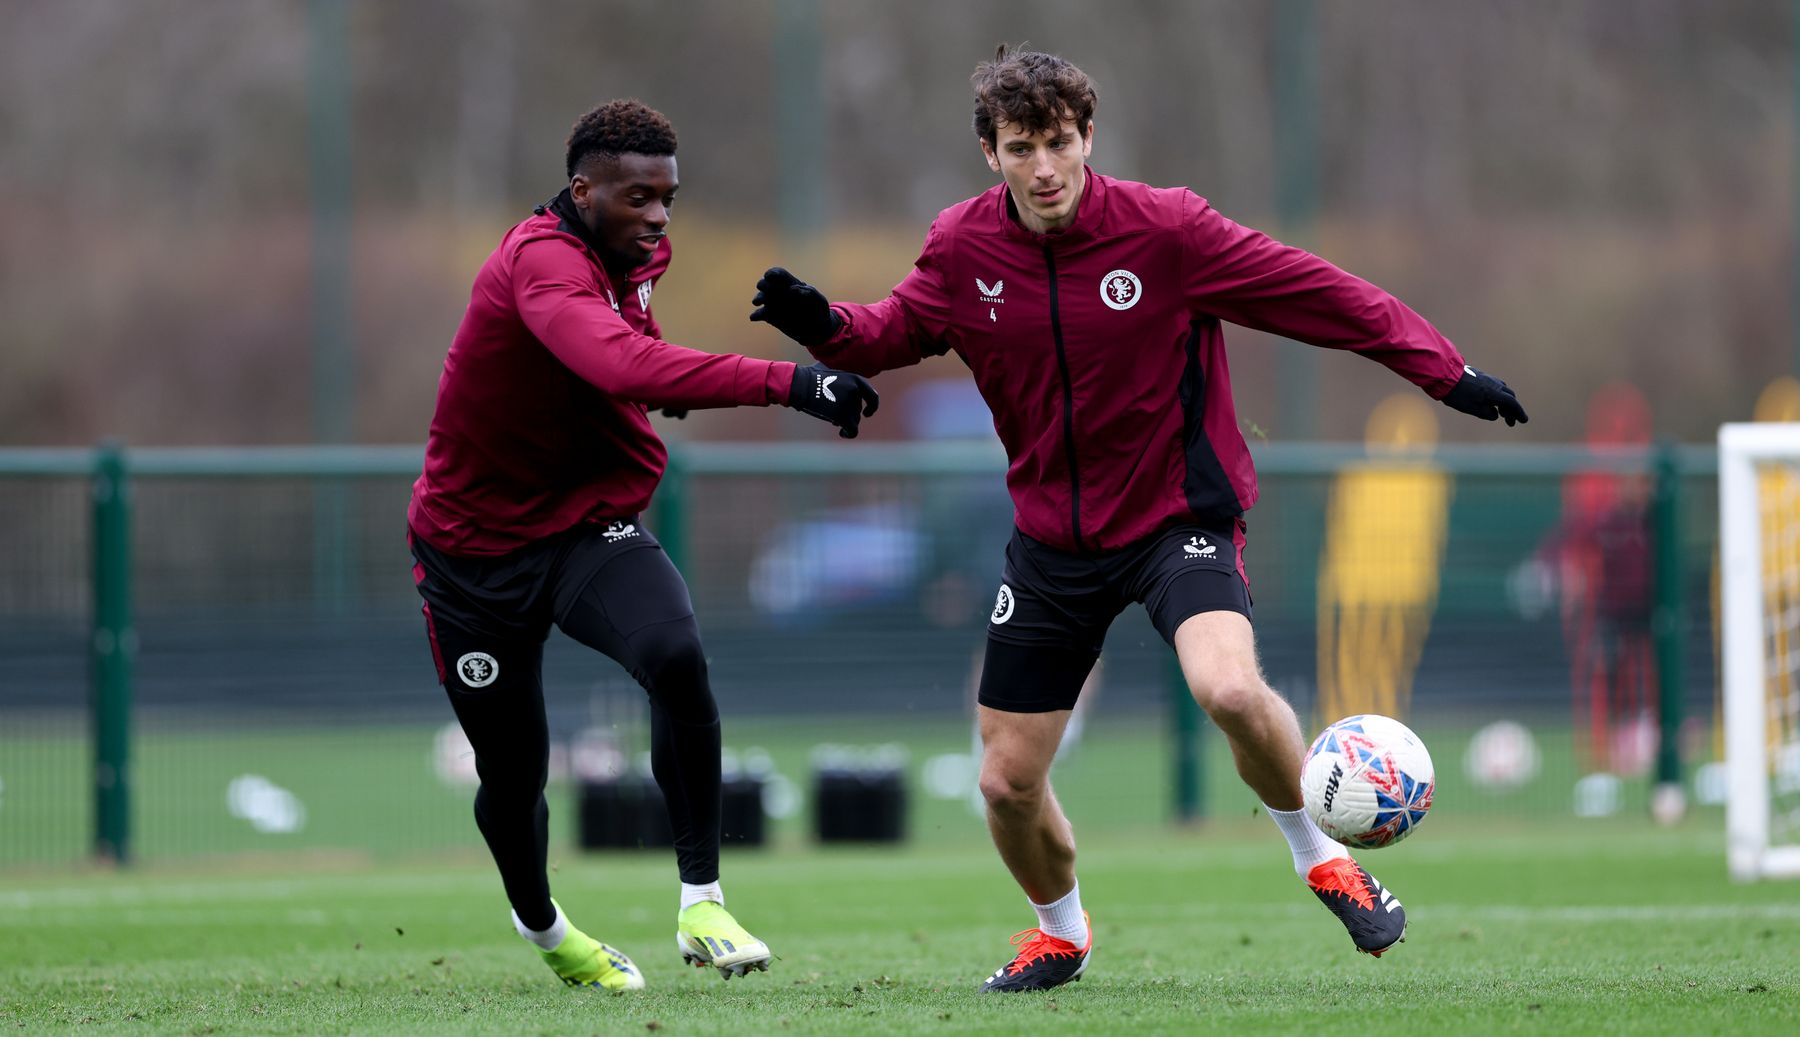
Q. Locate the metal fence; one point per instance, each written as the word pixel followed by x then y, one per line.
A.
pixel 216 651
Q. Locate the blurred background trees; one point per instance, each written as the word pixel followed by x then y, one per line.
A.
pixel 1577 192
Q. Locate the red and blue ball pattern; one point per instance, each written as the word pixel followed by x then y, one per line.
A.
pixel 1367 781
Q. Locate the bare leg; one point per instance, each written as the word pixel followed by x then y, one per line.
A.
pixel 1029 829
pixel 1218 659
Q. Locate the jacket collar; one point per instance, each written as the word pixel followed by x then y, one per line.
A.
pixel 1089 212
pixel 569 219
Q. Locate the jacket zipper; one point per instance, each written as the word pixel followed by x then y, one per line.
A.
pixel 1062 364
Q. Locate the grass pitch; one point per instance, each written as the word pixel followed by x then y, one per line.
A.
pixel 370 791
pixel 1604 927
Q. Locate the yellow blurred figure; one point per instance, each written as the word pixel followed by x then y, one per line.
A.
pixel 1778 492
pixel 1385 528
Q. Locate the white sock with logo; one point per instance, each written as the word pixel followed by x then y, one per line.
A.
pixel 692 894
pixel 550 938
pixel 1063 918
pixel 1311 847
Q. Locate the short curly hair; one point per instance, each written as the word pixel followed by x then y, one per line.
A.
pixel 626 127
pixel 1032 90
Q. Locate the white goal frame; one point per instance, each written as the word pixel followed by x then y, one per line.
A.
pixel 1743 647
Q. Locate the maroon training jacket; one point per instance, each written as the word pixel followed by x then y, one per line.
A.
pixel 541 417
pixel 1098 349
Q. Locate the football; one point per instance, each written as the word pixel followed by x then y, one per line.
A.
pixel 1367 781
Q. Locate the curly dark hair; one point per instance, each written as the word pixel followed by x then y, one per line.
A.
pixel 1030 89
pixel 627 127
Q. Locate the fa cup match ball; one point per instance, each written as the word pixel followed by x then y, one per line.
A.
pixel 1367 781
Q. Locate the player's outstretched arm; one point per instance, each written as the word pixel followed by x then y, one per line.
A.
pixel 584 332
pixel 1486 397
pixel 1241 275
pixel 553 290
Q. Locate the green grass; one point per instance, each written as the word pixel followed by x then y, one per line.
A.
pixel 383 914
pixel 370 790
pixel 1606 928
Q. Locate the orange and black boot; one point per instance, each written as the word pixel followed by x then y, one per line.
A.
pixel 1043 961
pixel 1372 914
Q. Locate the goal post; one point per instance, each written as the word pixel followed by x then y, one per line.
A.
pixel 1759 556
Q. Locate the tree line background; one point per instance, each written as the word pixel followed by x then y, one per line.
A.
pixel 1577 193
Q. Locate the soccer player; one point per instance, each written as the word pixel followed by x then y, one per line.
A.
pixel 539 460
pixel 1089 310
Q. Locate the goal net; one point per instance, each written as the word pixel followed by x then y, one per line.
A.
pixel 1759 545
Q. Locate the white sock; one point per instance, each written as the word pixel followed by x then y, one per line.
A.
pixel 550 938
pixel 692 894
pixel 1063 919
pixel 1311 847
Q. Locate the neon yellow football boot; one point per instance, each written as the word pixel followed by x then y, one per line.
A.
pixel 582 961
pixel 707 935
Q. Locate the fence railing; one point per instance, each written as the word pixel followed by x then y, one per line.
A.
pixel 114 473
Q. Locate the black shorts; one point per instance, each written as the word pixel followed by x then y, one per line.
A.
pixel 488 615
pixel 1054 607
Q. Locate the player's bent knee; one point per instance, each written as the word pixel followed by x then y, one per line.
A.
pixel 510 796
pixel 1232 700
pixel 675 663
pixel 1015 791
pixel 672 668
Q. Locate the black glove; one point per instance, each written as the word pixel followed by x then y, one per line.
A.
pixel 1486 397
pixel 842 398
pixel 794 308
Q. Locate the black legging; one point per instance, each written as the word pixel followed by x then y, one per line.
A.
pixel 636 610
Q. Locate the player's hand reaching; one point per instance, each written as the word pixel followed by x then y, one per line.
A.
pixel 1486 397
pixel 842 398
pixel 794 308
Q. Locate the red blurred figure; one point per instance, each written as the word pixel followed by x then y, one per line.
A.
pixel 1600 554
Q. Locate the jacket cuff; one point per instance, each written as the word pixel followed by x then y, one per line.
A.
pixel 837 338
pixel 1440 387
pixel 765 382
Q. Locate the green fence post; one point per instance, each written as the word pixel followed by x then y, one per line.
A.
pixel 1667 627
pixel 330 128
pixel 1190 755
pixel 113 648
pixel 1295 54
pixel 671 508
